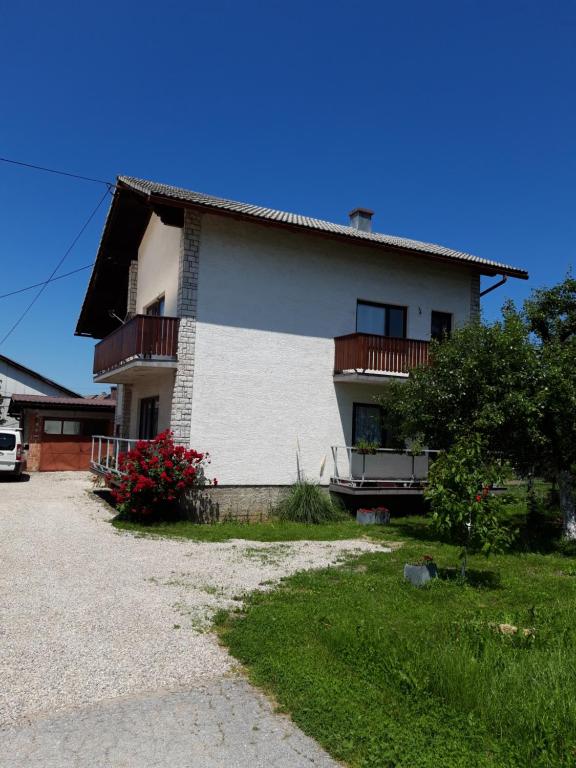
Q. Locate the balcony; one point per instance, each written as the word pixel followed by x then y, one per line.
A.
pixel 383 472
pixel 145 344
pixel 362 357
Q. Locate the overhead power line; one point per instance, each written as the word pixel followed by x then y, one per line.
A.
pixel 109 184
pixel 45 282
pixel 56 268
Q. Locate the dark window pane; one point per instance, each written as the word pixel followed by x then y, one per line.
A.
pixel 441 325
pixel 370 319
pixel 367 424
pixel 149 417
pixel 396 324
pixel 7 442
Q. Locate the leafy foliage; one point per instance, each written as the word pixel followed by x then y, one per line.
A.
pixel 307 503
pixel 156 474
pixel 551 312
pixel 463 509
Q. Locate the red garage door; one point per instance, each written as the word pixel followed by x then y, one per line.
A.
pixel 66 444
pixel 65 454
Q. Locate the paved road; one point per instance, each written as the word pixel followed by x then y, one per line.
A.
pixel 105 657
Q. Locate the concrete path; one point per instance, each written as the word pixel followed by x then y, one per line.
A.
pixel 105 654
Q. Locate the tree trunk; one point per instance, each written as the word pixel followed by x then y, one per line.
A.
pixel 567 504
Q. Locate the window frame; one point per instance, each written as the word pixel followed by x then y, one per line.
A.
pixel 385 307
pixel 159 300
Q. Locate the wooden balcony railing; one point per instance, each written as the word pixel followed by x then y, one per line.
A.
pixel 362 352
pixel 145 336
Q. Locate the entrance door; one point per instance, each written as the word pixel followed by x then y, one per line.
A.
pixel 149 417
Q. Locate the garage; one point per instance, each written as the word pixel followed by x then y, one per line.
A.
pixel 59 430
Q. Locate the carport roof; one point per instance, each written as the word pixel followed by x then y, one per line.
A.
pixel 95 404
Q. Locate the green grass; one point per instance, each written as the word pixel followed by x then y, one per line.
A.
pixel 273 530
pixel 386 675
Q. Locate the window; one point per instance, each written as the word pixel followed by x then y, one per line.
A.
pixel 441 325
pixel 156 308
pixel 149 417
pixel 62 427
pixel 367 424
pixel 7 441
pixel 381 319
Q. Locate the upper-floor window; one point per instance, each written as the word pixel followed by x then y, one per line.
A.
pixel 156 308
pixel 441 325
pixel 381 319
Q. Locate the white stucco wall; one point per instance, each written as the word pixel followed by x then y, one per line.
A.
pixel 16 382
pixel 160 384
pixel 158 266
pixel 270 303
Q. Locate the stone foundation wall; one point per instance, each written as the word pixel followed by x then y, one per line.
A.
pixel 238 502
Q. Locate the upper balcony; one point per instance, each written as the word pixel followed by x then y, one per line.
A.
pixel 145 344
pixel 364 357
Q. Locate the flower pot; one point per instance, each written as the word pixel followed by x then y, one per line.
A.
pixel 418 575
pixel 365 517
pixel 378 516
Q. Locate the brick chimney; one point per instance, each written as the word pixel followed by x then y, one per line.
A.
pixel 361 218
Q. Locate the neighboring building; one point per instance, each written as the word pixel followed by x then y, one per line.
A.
pixel 263 336
pixel 17 379
pixel 59 430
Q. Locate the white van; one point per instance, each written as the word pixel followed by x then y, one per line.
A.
pixel 11 452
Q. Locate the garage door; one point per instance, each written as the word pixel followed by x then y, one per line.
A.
pixel 62 455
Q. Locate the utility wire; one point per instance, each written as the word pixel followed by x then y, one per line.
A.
pixel 45 282
pixel 109 184
pixel 56 268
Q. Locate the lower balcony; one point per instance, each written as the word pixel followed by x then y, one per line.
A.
pixel 145 344
pixel 364 357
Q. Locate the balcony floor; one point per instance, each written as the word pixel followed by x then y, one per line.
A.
pixel 134 370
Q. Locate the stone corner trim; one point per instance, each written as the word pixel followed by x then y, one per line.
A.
pixel 187 302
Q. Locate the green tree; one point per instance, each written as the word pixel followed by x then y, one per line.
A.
pixel 512 382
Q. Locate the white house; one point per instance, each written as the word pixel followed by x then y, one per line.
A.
pixel 17 379
pixel 263 336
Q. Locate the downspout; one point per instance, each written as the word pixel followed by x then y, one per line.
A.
pixel 493 287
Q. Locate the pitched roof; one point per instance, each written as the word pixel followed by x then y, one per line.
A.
pixel 129 214
pixel 18 401
pixel 156 189
pixel 38 376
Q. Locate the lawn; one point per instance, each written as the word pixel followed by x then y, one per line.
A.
pixel 273 530
pixel 383 674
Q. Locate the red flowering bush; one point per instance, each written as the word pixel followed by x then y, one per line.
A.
pixel 155 475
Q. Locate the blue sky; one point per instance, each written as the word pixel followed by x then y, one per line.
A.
pixel 454 121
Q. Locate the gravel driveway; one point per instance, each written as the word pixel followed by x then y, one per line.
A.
pixel 105 634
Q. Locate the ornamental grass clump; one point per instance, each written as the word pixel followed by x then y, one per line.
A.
pixel 307 503
pixel 156 474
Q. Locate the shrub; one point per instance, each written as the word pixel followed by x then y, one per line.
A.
pixel 463 508
pixel 156 475
pixel 307 503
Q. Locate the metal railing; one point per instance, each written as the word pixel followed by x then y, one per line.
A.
pixel 381 467
pixel 106 451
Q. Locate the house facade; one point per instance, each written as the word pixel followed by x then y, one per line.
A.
pixel 260 336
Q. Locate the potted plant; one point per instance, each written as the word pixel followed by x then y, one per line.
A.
pixel 366 447
pixel 420 572
pixel 375 516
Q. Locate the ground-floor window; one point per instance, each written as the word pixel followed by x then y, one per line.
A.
pixel 149 407
pixel 368 424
